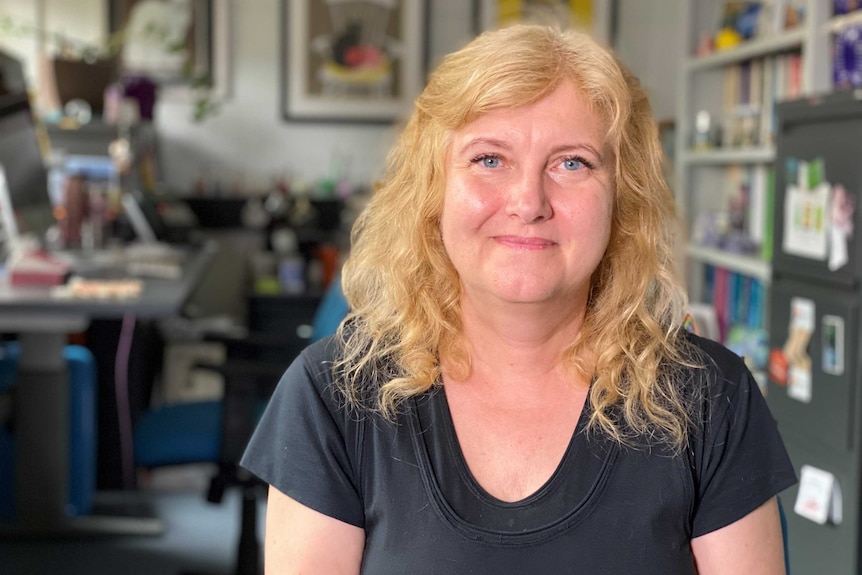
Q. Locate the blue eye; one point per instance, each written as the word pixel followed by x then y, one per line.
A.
pixel 573 164
pixel 487 161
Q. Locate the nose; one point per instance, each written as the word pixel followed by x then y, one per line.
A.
pixel 528 198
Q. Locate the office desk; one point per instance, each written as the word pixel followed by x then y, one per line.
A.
pixel 42 402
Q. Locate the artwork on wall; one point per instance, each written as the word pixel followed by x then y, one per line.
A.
pixel 180 44
pixel 593 16
pixel 352 61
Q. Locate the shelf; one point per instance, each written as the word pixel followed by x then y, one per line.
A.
pixel 837 23
pixel 744 264
pixel 758 155
pixel 752 49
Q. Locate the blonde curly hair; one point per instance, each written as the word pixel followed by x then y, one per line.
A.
pixel 405 294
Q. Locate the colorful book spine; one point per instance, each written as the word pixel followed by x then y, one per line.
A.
pixel 738 300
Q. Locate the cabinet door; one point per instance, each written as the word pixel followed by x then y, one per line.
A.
pixel 818 142
pixel 824 407
pixel 819 549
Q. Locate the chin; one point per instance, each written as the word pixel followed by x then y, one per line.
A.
pixel 521 293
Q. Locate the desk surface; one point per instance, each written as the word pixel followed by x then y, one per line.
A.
pixel 36 309
pixel 42 322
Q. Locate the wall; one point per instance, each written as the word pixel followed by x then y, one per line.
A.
pixel 82 21
pixel 249 139
pixel 650 41
pixel 249 142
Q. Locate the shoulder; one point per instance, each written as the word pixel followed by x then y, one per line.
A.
pixel 308 381
pixel 727 399
pixel 314 378
pixel 714 370
pixel 735 455
pixel 316 360
pixel 716 359
pixel 307 442
pixel 718 382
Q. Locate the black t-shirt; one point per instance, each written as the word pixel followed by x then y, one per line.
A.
pixel 607 509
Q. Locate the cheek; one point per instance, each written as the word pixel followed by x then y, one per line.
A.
pixel 449 217
pixel 460 220
pixel 467 203
pixel 604 213
pixel 592 216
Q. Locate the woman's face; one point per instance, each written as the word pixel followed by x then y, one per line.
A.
pixel 527 207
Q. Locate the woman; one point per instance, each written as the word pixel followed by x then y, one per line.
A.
pixel 513 392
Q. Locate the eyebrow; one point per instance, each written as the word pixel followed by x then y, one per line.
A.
pixel 486 141
pixel 496 142
pixel 583 146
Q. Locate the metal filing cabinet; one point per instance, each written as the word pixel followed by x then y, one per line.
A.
pixel 814 316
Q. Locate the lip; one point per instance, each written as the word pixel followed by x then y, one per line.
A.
pixel 525 243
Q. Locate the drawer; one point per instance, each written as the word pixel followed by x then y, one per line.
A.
pixel 818 549
pixel 829 415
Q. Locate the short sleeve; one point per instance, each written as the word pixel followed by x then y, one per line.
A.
pixel 301 445
pixel 741 462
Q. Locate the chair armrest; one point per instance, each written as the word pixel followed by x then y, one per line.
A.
pixel 239 373
pixel 259 345
pixel 248 385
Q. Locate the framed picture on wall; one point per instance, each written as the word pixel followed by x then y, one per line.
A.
pixel 592 16
pixel 180 44
pixel 352 61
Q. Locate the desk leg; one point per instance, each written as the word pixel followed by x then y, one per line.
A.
pixel 42 430
pixel 42 454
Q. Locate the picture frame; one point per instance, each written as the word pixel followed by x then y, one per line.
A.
pixel 365 65
pixel 596 17
pixel 199 59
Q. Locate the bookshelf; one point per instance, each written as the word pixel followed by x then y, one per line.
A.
pixel 757 48
pixel 750 266
pixel 725 146
pixel 750 155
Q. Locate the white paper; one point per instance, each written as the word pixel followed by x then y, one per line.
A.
pixel 841 209
pixel 806 214
pixel 836 510
pixel 799 384
pixel 819 497
pixel 802 314
pixel 838 256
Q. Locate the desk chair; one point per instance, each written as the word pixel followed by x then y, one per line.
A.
pixel 81 367
pixel 218 431
pixel 783 518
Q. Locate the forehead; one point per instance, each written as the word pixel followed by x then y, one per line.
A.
pixel 564 112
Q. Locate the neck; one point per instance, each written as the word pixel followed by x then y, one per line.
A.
pixel 523 341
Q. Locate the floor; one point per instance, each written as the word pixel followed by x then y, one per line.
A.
pixel 199 537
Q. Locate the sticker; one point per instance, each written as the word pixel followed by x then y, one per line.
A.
pixel 819 497
pixel 833 344
pixel 802 314
pixel 802 318
pixel 799 384
pixel 778 367
pixel 841 213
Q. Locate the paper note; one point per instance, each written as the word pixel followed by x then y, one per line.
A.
pixel 819 497
pixel 802 318
pixel 805 222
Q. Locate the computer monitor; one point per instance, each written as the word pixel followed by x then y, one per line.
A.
pixel 26 203
pixel 26 176
pixel 13 85
pixel 143 217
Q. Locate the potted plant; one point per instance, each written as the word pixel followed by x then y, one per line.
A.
pixel 83 71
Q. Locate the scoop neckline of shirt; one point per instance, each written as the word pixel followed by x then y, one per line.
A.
pixel 577 444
